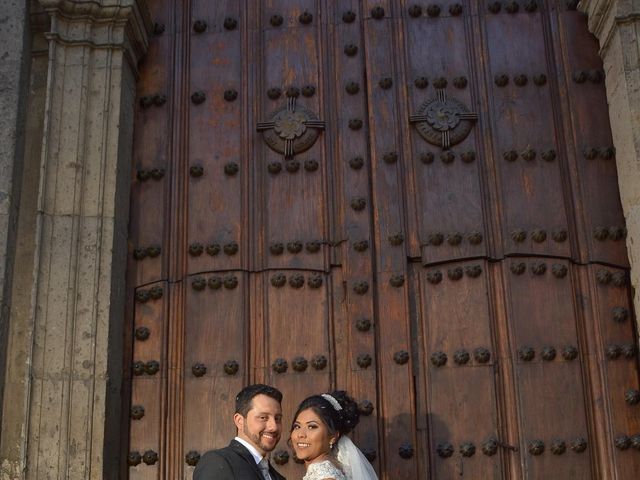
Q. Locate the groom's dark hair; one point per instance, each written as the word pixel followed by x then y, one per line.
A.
pixel 244 399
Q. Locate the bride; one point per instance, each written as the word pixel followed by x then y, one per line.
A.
pixel 318 437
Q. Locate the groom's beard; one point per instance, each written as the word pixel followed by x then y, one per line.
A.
pixel 266 444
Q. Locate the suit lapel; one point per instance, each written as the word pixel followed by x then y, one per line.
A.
pixel 246 456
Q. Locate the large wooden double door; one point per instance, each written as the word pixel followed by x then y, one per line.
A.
pixel 416 202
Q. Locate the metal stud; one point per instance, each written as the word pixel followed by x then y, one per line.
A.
pixel 536 447
pixel 415 11
pixel 313 246
pixel 421 82
pixel 559 236
pixel 230 248
pixel 617 233
pixel 540 79
pixel 510 156
pixel 315 280
pixel 356 163
pixel 192 458
pixel 305 18
pixel 157 173
pixel 613 351
pixel 281 457
pixel 215 282
pixel 572 4
pixel 548 353
pixel 401 357
pixel 595 76
pixel 473 271
pixel 433 10
pixel 526 353
pixel 196 170
pixel 619 279
pixel 538 268
pixel 355 124
pixel 299 364
pixel 319 362
pixel 278 280
pixel 455 9
pixel 198 369
pixel 440 82
pixel 152 367
pixel 364 360
pixel 603 277
pixel 137 412
pixel 482 355
pixel 390 157
pixel 142 333
pixel 468 157
pixel 467 449
pixel 518 268
pixel 444 449
pixel 538 235
pixel 292 166
pixel 490 447
pixel 548 155
pixel 435 239
pixel 512 7
pixel 635 441
pixel 520 80
pixel 231 367
pixel 358 203
pixel 158 28
pixel 143 175
pixel 454 239
pixel 461 357
pixel 529 154
pixel 294 246
pixel 559 270
pixel 198 283
pixel 199 26
pixel 361 245
pixel 231 169
pixel 308 91
pixel 349 16
pixel 405 451
pixel 276 248
pixel 434 276
pixel 146 101
pixel 296 280
pixel 198 97
pixel 150 457
pixel 361 287
pixel 519 235
pixel 607 153
pixel 230 282
pixel 350 50
pixel 292 92
pixel 531 6
pixel 439 359
pixel 426 157
pixel 230 23
pixel 276 20
pixel 622 442
pixel 475 238
pixel 502 79
pixel 629 351
pixel 495 7
pixel 156 292
pixel 365 407
pixel 274 93
pixel 558 447
pixel 377 12
pixel 447 157
pixel 632 396
pixel 569 352
pixel 280 365
pixel 385 83
pixel 363 324
pixel 396 280
pixel 153 251
pixel 142 295
pixel 579 76
pixel 134 459
pixel 196 249
pixel 455 273
pixel 230 95
pixel 579 445
pixel 396 239
pixel 352 88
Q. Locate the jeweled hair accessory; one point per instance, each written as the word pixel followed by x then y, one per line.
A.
pixel 334 403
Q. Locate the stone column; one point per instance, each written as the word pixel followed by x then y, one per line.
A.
pixel 74 364
pixel 616 24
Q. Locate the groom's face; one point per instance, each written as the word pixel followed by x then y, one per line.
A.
pixel 262 426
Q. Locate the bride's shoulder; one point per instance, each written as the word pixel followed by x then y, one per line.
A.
pixel 322 470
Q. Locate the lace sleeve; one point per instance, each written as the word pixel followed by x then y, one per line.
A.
pixel 324 470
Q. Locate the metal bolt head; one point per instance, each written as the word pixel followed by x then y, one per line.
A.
pixel 468 157
pixel 294 246
pixel 305 18
pixel 350 50
pixel 215 282
pixel 355 124
pixel 142 333
pixel 569 352
pixel 230 282
pixel 482 355
pixel 276 20
pixel 461 357
pixel 385 83
pixel 155 293
pixel 314 280
pixel 231 169
pixel 536 447
pixel 142 295
pixel 434 276
pixel 629 351
pixel 349 16
pixel 613 352
pixel 192 458
pixel 579 445
pixel 198 97
pixel 363 324
pixel 361 287
pixel 137 412
pixel 454 239
pixel 396 280
pixel 548 353
pixel 559 270
pixel 531 6
pixel 548 155
pixel 473 271
pixel 199 26
pixel 230 23
pixel 440 82
pixel 447 157
pixel 150 457
pixel 293 92
pixel 632 396
pixel 196 249
pixel 421 82
pixel 276 248
pixel 138 368
pixel 520 80
pixel 196 170
pixel 139 253
pixel 435 239
pixel 622 442
pixel 518 268
pixel 152 367
pixel 361 245
pixel 495 7
pixel 455 273
pixel 280 365
pixel 455 9
pixel 198 369
pixel 460 82
pixel 356 163
pixel 278 280
pixel 620 314
pixel 529 154
pixel 558 447
pixel 540 79
pixel 502 79
pixel 538 235
pixel 319 362
pixel 401 357
pixel 444 449
pixel 512 7
pixel 365 408
pixel 439 359
pixel 230 95
pixel 231 367
pixel 299 364
pixel 526 353
pixel 158 28
pixel 538 268
pixel 635 441
pixel 390 157
pixel 274 93
pixel 296 280
pixel 134 459
pixel 405 451
pixel 281 457
pixel 358 203
pixel 377 12
pixel 231 248
pixel 364 360
pixel 490 447
pixel 467 449
pixel 313 246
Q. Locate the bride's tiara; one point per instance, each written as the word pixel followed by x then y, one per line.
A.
pixel 334 403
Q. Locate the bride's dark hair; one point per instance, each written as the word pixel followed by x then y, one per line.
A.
pixel 337 421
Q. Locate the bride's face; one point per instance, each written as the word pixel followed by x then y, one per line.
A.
pixel 310 437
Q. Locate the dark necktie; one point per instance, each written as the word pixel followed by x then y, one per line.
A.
pixel 263 465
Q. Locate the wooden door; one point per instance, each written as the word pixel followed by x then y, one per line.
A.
pixel 415 202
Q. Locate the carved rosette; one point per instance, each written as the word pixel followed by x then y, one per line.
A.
pixel 443 121
pixel 291 129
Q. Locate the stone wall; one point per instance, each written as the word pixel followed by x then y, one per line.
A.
pixel 616 24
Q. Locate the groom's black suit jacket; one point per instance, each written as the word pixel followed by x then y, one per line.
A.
pixel 234 462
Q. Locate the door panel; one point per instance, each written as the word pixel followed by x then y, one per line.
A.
pixel 412 202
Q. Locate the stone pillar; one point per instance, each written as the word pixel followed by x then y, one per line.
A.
pixel 69 417
pixel 14 75
pixel 616 24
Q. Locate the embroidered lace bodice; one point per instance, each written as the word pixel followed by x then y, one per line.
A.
pixel 322 470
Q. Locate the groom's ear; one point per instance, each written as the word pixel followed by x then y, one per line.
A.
pixel 239 421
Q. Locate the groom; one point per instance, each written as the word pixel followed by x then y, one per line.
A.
pixel 258 419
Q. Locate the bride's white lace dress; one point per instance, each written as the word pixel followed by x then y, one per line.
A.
pixel 323 470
